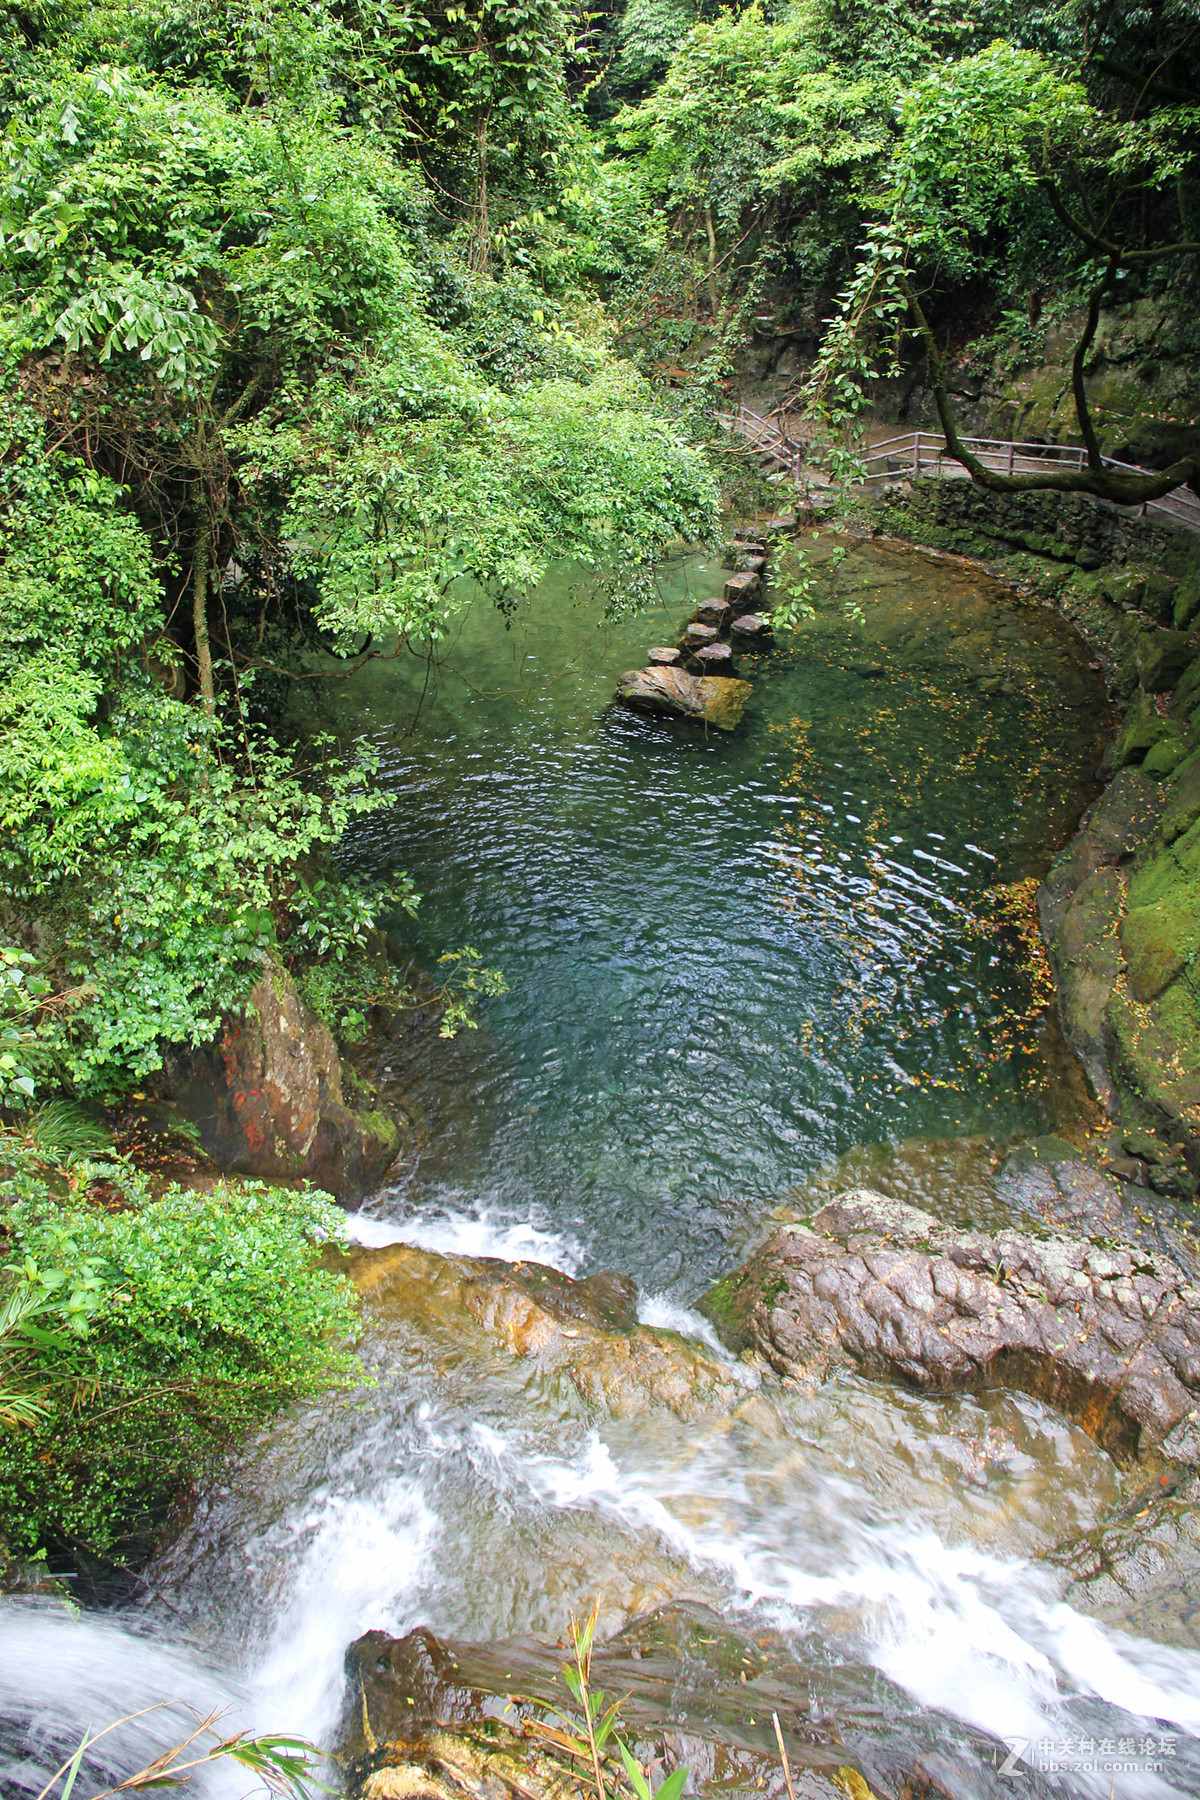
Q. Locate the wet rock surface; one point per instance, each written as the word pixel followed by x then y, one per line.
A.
pixel 741 588
pixel 586 1330
pixel 712 612
pixel 715 659
pixel 266 1097
pixel 751 628
pixel 437 1717
pixel 1107 1333
pixel 1140 1569
pixel 710 700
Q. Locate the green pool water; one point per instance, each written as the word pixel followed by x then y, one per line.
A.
pixel 730 957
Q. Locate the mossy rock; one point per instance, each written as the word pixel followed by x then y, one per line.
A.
pixel 1183 805
pixel 1158 596
pixel 1158 941
pixel 382 1127
pixel 1172 876
pixel 1187 693
pixel 1162 657
pixel 1172 748
pixel 1144 725
pixel 726 1305
pixel 1123 587
pixel 1187 599
pixel 1156 1058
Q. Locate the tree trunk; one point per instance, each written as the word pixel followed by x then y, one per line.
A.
pixel 201 561
pixel 713 290
pixel 480 253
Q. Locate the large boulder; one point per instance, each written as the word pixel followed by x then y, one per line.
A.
pixel 266 1097
pixel 1107 1333
pixel 585 1332
pixel 709 699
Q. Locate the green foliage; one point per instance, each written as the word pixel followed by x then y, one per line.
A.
pixel 174 1326
pixel 162 864
pixel 286 1766
pixel 587 1735
pixel 227 341
pixel 24 1055
pixel 464 982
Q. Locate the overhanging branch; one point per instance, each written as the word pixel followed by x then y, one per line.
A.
pixel 1115 485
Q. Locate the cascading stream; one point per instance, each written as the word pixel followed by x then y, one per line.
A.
pixel 730 961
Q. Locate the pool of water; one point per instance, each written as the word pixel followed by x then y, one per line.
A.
pixel 729 956
pixel 732 960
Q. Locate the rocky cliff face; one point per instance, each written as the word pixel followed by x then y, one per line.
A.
pixel 1143 382
pixel 1120 908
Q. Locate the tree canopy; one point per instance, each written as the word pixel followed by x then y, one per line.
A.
pixel 315 319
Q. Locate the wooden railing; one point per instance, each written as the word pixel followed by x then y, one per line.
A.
pixel 917 453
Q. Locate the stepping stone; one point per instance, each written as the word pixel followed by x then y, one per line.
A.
pixel 712 612
pixel 698 697
pixel 715 659
pixel 749 547
pixel 699 635
pixel 743 587
pixel 785 521
pixel 752 628
pixel 663 657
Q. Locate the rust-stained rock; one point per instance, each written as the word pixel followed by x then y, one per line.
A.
pixel 1140 1568
pixel 585 1330
pixel 751 628
pixel 456 1721
pixel 1107 1333
pixel 710 700
pixel 266 1097
pixel 715 659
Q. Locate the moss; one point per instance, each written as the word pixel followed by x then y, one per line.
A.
pixel 1143 727
pixel 1158 940
pixel 1166 755
pixel 725 1309
pixel 1156 1057
pixel 381 1126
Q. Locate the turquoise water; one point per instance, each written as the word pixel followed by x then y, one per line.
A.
pixel 730 956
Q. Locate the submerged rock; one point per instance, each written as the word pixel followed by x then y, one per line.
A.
pixel 710 700
pixel 266 1097
pixel 1110 1335
pixel 443 1719
pixel 1140 1569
